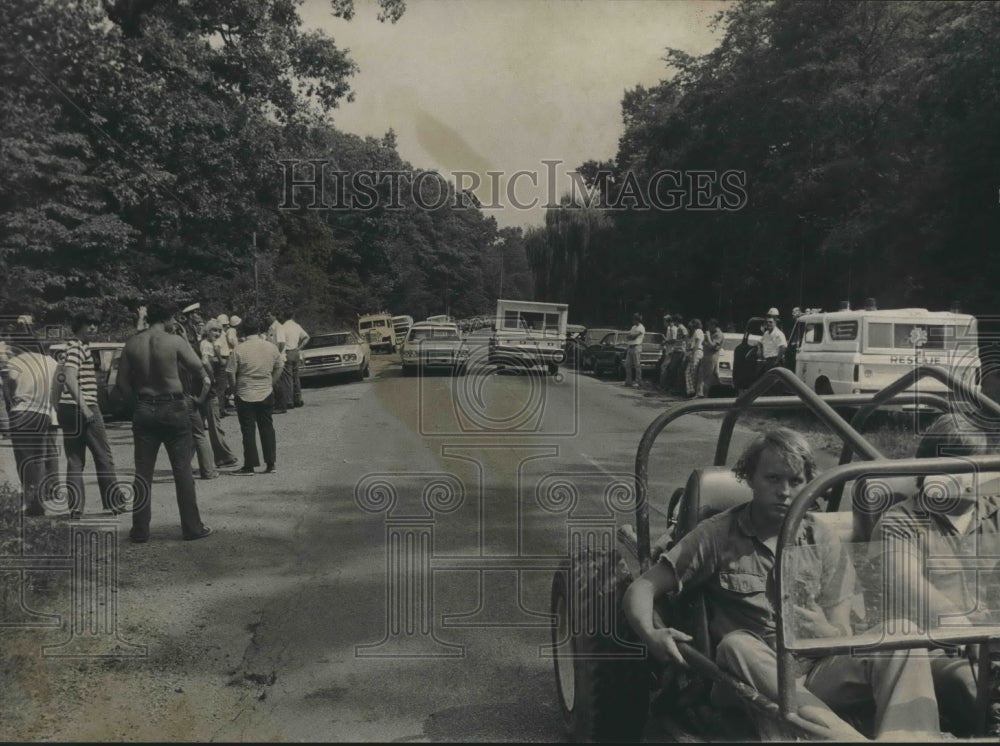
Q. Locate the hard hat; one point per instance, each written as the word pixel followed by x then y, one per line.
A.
pixel 235 320
pixel 223 319
pixel 773 312
pixel 192 307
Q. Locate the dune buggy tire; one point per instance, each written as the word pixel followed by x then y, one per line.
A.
pixel 603 693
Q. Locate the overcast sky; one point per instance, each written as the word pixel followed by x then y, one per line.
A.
pixel 501 85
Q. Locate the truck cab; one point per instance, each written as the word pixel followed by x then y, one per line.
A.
pixel 378 331
pixel 529 334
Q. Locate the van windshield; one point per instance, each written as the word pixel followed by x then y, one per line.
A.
pixel 419 334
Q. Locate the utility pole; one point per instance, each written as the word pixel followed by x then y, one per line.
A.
pixel 256 295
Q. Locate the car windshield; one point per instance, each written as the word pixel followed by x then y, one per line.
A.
pixel 336 339
pixel 438 334
pixel 594 336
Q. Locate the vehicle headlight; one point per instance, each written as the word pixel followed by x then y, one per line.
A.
pixel 350 357
pixel 409 353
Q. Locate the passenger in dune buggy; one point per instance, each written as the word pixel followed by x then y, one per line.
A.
pixel 731 556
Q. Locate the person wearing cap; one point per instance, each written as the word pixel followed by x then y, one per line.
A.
pixel 772 345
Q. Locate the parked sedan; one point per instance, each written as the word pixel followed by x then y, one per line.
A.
pixel 433 344
pixel 579 347
pixel 336 353
pixel 609 355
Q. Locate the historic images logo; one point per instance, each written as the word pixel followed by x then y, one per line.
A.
pixel 313 184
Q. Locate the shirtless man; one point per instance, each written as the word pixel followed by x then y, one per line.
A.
pixel 149 374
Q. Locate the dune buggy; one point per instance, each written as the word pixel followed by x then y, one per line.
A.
pixel 608 690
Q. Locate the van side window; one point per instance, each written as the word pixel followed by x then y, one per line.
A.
pixel 879 335
pixel 814 333
pixel 843 330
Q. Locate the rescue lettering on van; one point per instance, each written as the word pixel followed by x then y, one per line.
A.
pixel 916 360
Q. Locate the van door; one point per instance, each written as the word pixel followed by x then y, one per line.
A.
pixel 794 342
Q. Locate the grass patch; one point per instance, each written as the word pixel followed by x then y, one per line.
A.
pixel 894 434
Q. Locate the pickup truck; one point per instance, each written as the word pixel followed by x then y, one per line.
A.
pixel 529 334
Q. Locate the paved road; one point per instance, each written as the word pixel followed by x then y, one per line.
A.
pixel 390 582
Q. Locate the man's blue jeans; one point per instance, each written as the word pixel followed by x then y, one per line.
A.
pixel 256 415
pixel 79 436
pixel 169 423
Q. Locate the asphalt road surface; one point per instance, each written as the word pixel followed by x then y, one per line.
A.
pixel 389 583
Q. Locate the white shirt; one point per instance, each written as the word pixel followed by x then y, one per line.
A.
pixel 637 329
pixel 276 336
pixel 294 334
pixel 771 342
pixel 254 362
pixel 32 373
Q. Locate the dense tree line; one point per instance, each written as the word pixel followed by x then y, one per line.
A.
pixel 142 145
pixel 867 135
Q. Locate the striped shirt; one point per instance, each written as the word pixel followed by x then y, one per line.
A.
pixel 78 357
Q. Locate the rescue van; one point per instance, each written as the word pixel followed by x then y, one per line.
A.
pixel 861 351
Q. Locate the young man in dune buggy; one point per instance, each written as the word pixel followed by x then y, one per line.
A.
pixel 731 558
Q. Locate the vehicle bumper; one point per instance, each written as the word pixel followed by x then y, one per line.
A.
pixel 527 355
pixel 315 370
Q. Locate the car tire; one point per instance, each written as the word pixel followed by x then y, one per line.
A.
pixel 602 685
pixel 409 370
pixel 619 370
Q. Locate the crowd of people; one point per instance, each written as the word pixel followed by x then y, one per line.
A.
pixel 690 353
pixel 179 376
